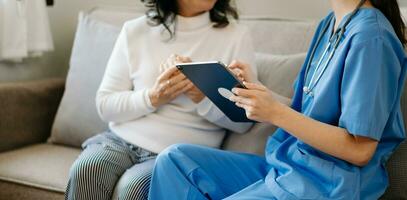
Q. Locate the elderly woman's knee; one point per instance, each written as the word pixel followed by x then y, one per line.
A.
pixel 135 187
pixel 88 165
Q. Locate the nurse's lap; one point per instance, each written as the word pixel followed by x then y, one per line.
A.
pixel 257 190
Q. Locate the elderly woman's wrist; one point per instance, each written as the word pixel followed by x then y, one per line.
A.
pixel 153 99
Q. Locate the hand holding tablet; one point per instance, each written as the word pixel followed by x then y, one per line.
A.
pixel 216 81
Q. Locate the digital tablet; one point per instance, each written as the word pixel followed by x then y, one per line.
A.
pixel 216 81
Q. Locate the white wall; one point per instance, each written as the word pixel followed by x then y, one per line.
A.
pixel 287 9
pixel 63 17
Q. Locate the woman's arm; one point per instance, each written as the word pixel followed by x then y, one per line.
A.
pixel 261 105
pixel 212 113
pixel 330 139
pixel 116 101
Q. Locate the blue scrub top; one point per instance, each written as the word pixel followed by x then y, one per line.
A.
pixel 360 91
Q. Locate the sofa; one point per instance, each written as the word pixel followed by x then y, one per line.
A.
pixel 43 123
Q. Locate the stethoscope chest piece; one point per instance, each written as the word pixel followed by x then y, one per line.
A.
pixel 308 91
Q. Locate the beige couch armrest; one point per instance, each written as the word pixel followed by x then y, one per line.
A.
pixel 27 111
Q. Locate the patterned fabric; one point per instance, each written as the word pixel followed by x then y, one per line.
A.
pixel 107 161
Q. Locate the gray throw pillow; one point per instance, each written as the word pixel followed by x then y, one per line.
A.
pixel 278 74
pixel 77 118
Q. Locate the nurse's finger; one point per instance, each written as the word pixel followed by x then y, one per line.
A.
pixel 240 105
pixel 241 100
pixel 242 92
pixel 245 107
pixel 237 72
pixel 238 65
pixel 255 86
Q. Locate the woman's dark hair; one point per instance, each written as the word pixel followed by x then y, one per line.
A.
pixel 164 12
pixel 391 10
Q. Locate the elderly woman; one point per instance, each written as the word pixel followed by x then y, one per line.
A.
pixel 149 104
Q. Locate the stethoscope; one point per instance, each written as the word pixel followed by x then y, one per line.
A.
pixel 333 43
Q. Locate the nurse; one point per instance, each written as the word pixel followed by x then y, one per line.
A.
pixel 343 124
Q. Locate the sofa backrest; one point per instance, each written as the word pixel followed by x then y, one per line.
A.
pixel 282 38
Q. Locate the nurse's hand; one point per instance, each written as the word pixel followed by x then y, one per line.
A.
pixel 168 86
pixel 242 71
pixel 257 100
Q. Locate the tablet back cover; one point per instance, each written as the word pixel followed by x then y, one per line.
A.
pixel 211 76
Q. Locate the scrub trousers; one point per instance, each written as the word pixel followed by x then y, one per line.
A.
pixel 193 172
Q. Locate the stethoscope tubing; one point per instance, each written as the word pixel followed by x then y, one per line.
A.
pixel 335 39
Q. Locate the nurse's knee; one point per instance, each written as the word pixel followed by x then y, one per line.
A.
pixel 173 152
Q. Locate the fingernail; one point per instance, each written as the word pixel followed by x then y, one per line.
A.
pixel 234 90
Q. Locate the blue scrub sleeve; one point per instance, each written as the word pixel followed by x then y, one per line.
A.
pixel 369 88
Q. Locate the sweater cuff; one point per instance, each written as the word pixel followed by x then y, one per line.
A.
pixel 207 110
pixel 142 100
pixel 148 101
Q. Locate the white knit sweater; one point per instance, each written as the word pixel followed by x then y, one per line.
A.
pixel 122 99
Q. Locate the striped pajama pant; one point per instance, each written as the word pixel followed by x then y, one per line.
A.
pixel 110 168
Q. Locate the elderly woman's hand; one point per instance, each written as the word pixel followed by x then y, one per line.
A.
pixel 193 93
pixel 257 100
pixel 168 86
pixel 171 61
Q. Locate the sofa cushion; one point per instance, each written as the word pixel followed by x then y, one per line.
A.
pixel 48 166
pixel 77 118
pixel 15 191
pixel 281 37
pixel 277 73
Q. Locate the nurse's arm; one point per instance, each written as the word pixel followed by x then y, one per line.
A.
pixel 280 98
pixel 327 138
